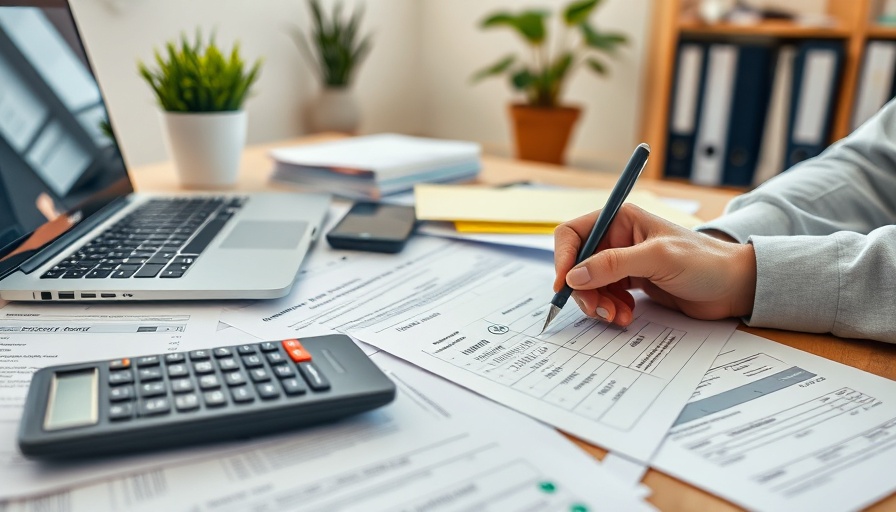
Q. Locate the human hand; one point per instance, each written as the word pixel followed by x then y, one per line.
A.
pixel 702 276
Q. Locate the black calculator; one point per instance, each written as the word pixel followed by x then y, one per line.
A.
pixel 148 402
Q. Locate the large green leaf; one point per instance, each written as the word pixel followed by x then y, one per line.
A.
pixel 607 42
pixel 529 24
pixel 522 79
pixel 495 69
pixel 577 12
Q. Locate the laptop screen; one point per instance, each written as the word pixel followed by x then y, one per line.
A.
pixel 59 162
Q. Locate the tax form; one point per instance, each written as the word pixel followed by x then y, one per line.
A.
pixel 436 447
pixel 774 428
pixel 33 337
pixel 472 314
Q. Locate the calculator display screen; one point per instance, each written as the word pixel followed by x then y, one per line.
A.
pixel 73 400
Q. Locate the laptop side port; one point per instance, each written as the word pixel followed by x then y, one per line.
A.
pixel 66 295
pixel 88 295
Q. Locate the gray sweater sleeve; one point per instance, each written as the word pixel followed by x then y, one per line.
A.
pixel 824 238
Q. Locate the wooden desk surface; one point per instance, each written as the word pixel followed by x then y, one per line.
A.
pixel 668 493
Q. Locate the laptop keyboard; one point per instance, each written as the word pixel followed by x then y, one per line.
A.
pixel 161 238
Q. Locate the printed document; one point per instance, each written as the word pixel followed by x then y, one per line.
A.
pixel 33 337
pixel 436 447
pixel 472 314
pixel 774 428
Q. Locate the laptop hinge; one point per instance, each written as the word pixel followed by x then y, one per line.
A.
pixel 66 240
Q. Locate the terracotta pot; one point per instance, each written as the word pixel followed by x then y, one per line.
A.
pixel 541 133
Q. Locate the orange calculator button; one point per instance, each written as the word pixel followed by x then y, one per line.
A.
pixel 296 351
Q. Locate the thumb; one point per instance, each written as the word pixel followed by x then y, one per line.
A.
pixel 612 265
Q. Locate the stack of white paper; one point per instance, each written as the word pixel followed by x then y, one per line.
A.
pixel 375 165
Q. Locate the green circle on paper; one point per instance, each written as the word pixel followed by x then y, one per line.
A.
pixel 578 507
pixel 547 487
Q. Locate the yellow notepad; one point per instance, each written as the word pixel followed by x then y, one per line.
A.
pixel 525 210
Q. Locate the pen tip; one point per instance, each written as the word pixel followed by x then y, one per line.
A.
pixel 552 313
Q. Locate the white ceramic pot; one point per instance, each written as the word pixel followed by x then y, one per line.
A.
pixel 335 110
pixel 206 146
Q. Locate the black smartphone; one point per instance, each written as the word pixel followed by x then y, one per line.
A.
pixel 374 227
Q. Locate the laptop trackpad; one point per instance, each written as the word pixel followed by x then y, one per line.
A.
pixel 265 234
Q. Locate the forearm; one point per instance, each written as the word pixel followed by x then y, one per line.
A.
pixel 843 283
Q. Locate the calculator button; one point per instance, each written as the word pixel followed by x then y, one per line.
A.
pixel 214 398
pixel 242 394
pixel 120 377
pixel 268 346
pixel 199 355
pixel 267 390
pixel 223 352
pixel 121 393
pixel 246 349
pixel 293 386
pixel 314 377
pixel 252 361
pixel 283 371
pixel 186 402
pixel 174 358
pixel 276 358
pixel 203 367
pixel 228 364
pixel 296 351
pixel 181 385
pixel 207 382
pixel 155 406
pixel 152 389
pixel 260 375
pixel 118 412
pixel 177 370
pixel 147 361
pixel 234 378
pixel 148 374
pixel 119 364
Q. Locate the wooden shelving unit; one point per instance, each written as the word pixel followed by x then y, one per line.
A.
pixel 852 23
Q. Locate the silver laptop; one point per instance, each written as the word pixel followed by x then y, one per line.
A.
pixel 71 228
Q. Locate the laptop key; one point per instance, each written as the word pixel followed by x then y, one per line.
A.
pixel 98 274
pixel 122 274
pixel 149 270
pixel 204 237
pixel 52 274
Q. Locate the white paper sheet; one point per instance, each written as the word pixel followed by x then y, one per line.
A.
pixel 470 313
pixel 428 450
pixel 35 336
pixel 774 428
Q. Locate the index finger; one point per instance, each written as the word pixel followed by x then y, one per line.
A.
pixel 568 239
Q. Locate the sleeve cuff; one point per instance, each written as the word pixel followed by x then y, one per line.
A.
pixel 797 283
pixel 754 219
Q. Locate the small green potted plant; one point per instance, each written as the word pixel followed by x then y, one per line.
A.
pixel 335 49
pixel 543 123
pixel 201 91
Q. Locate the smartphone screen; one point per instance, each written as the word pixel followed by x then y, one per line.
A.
pixel 373 226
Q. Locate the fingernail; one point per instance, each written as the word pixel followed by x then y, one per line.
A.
pixel 578 276
pixel 603 313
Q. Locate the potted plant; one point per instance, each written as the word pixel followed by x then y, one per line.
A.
pixel 201 91
pixel 334 49
pixel 542 125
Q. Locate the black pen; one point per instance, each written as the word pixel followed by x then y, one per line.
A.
pixel 602 224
